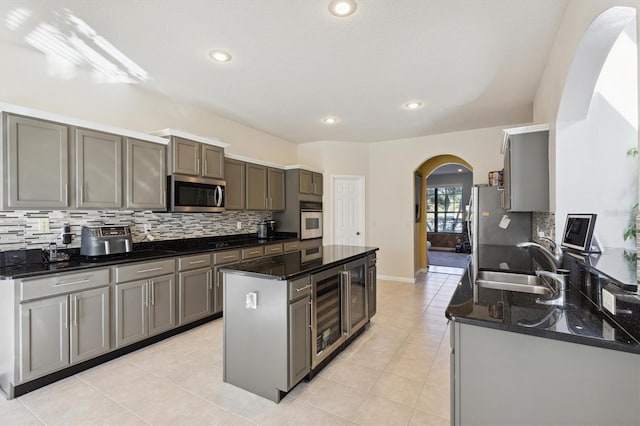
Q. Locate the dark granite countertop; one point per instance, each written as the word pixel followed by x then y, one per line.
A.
pixel 578 321
pixel 28 263
pixel 290 265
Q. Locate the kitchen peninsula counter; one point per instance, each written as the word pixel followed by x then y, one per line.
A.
pixel 516 361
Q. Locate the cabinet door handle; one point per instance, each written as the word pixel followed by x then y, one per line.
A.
pixel 303 288
pixel 153 292
pixel 81 194
pixel 311 320
pixel 142 271
pixel 66 315
pixel 204 167
pixel 231 256
pixel 146 293
pixel 76 311
pixel 195 262
pixel 73 282
pixel 66 193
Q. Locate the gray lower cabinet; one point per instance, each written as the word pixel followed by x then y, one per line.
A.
pixel 299 340
pixel 144 308
pixel 36 163
pixel 58 331
pixel 221 258
pixel 44 337
pixel 506 378
pixel 144 300
pixel 372 289
pixel 90 324
pixel 98 169
pixel 195 289
pixel 146 181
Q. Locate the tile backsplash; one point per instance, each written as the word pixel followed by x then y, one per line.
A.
pixel 20 229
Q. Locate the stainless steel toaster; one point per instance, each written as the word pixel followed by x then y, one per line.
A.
pixel 105 240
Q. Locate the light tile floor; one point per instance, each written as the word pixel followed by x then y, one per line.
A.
pixel 396 372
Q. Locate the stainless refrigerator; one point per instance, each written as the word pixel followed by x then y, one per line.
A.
pixel 494 232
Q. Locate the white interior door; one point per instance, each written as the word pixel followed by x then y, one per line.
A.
pixel 349 205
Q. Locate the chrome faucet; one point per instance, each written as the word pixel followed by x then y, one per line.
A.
pixel 560 279
pixel 554 259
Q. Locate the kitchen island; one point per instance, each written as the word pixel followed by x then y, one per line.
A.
pixel 517 361
pixel 286 318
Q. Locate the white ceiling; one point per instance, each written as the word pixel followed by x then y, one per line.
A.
pixel 473 63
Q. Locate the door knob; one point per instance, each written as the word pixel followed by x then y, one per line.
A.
pixel 357 233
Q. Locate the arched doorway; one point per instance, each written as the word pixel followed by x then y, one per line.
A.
pixel 420 184
pixel 596 164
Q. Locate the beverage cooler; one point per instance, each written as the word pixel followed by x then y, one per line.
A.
pixel 339 307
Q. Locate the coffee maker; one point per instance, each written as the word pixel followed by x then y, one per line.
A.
pixel 266 229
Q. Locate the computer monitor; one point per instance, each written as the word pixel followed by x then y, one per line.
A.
pixel 578 231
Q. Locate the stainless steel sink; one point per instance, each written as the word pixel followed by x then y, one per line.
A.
pixel 512 282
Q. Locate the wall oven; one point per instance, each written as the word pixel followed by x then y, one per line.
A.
pixel 195 194
pixel 310 220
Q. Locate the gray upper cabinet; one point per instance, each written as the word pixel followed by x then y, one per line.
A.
pixel 526 172
pixel 234 175
pixel 310 182
pixel 212 161
pixel 185 156
pixel 98 165
pixel 145 175
pixel 265 188
pixel 37 164
pixel 196 159
pixel 275 189
pixel 256 187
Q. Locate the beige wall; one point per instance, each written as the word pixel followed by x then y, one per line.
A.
pixel 334 159
pixel 392 164
pixel 27 79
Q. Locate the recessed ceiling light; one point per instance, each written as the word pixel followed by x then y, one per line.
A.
pixel 220 55
pixel 413 105
pixel 330 120
pixel 342 8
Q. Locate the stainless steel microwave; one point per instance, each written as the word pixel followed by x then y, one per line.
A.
pixel 192 194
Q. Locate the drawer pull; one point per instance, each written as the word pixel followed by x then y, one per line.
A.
pixel 196 262
pixel 73 282
pixel 231 256
pixel 142 271
pixel 303 288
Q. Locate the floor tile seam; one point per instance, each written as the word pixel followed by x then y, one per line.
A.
pixel 428 412
pixel 422 382
pixel 206 401
pixel 31 412
pixel 333 414
pixel 114 401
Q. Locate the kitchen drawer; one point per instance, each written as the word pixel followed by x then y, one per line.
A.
pixel 193 262
pixel 65 283
pixel 226 256
pixel 252 253
pixel 141 271
pixel 272 249
pixel 291 246
pixel 299 287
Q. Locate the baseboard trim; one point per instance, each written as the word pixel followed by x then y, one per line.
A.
pixel 400 279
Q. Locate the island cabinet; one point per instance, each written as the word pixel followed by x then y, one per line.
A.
pixel 36 163
pixel 144 300
pixel 63 320
pixel 195 287
pixel 266 333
